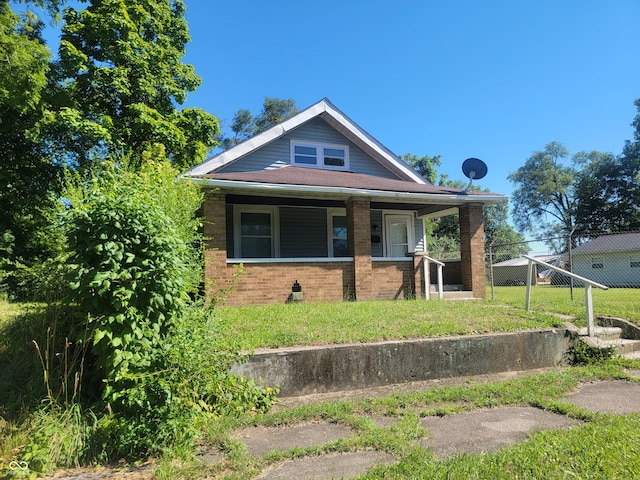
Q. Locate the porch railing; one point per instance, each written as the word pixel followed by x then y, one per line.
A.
pixel 427 281
pixel 587 283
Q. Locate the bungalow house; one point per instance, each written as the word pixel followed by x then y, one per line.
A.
pixel 318 203
pixel 613 260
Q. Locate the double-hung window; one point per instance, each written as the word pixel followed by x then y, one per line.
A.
pixel 255 232
pixel 338 246
pixel 325 156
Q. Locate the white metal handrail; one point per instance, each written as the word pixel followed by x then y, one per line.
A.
pixel 427 260
pixel 588 288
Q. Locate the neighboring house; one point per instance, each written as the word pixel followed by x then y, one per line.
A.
pixel 613 260
pixel 316 200
pixel 514 271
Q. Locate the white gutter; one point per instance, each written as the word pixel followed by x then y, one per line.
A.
pixel 408 197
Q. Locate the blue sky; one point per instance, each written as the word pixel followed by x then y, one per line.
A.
pixel 496 80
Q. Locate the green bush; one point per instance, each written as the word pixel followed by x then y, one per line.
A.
pixel 133 269
pixel 131 359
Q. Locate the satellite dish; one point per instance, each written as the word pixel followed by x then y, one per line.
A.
pixel 473 169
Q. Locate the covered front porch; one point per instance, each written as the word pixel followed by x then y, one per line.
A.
pixel 365 263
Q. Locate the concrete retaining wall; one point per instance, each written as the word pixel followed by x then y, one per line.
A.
pixel 307 370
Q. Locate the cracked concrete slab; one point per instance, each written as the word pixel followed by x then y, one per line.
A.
pixel 619 397
pixel 261 440
pixel 324 467
pixel 487 430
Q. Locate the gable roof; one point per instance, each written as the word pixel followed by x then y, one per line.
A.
pixel 336 119
pixel 523 262
pixel 622 242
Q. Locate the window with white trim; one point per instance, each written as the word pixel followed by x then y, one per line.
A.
pixel 255 232
pixel 634 261
pixel 318 155
pixel 338 246
pixel 399 235
pixel 597 262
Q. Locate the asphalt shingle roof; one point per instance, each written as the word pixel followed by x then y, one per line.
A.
pixel 290 175
pixel 622 242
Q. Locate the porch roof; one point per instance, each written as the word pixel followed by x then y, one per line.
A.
pixel 307 182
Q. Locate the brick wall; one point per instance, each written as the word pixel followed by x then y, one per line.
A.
pixel 395 279
pixel 472 249
pixel 359 241
pixel 215 232
pixel 270 283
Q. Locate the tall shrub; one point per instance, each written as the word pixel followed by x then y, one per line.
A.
pixel 146 353
pixel 128 274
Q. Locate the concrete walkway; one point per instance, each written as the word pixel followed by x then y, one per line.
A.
pixel 475 432
pixel 484 430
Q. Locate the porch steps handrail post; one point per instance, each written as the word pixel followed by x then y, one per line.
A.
pixel 427 260
pixel 589 284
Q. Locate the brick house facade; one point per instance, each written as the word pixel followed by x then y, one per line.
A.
pixel 317 201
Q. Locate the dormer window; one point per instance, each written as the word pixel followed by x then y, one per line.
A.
pixel 317 155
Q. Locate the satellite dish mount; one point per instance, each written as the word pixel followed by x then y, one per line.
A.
pixel 473 169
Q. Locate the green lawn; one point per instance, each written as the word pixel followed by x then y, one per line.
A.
pixel 615 302
pixel 349 322
pixel 604 447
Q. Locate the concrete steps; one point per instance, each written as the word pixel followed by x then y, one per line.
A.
pixel 624 339
pixel 451 292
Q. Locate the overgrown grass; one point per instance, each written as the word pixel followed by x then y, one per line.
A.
pixel 615 302
pixel 589 451
pixel 604 446
pixel 347 322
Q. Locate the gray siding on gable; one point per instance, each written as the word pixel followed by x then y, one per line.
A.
pixel 277 153
pixel 303 232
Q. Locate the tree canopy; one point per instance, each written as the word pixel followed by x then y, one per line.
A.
pixel 425 166
pixel 114 92
pixel 543 200
pixel 245 125
pixel 598 192
pixel 29 180
pixel 118 81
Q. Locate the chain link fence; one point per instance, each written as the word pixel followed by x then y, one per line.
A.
pixel 611 259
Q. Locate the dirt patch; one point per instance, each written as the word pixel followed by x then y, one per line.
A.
pixel 143 472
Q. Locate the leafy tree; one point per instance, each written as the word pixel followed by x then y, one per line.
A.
pixel 274 111
pixel 608 187
pixel 425 166
pixel 117 83
pixel 29 181
pixel 543 200
pixel 607 192
pixel 244 125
